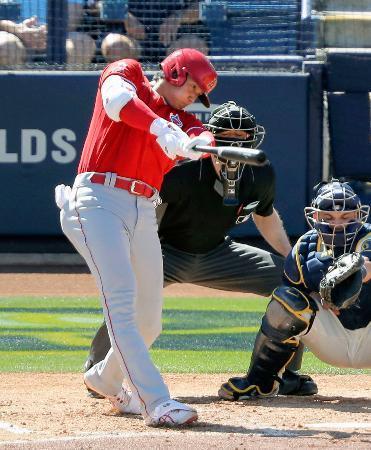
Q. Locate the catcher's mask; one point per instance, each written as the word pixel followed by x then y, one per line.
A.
pixel 227 117
pixel 336 196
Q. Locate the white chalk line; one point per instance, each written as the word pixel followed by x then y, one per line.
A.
pixel 87 436
pixel 267 431
pixel 339 425
pixel 13 428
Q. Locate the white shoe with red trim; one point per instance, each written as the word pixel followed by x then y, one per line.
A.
pixel 124 401
pixel 171 414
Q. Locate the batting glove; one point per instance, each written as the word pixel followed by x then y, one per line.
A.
pixel 170 137
pixel 190 145
pixel 62 195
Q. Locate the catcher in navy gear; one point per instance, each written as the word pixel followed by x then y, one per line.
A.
pixel 202 200
pixel 338 333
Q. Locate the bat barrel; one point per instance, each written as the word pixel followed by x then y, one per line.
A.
pixel 246 156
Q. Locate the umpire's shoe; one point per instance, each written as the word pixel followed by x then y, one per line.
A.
pixel 239 388
pixel 295 384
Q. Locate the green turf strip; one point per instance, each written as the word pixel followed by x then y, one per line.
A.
pixel 201 335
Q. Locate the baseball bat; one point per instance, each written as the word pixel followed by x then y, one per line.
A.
pixel 244 155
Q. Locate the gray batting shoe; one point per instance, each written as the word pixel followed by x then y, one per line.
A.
pixel 171 414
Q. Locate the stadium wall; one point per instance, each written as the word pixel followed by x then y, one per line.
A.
pixel 44 118
pixel 347 80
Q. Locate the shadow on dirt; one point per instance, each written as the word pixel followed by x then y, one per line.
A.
pixel 279 432
pixel 343 404
pixel 336 403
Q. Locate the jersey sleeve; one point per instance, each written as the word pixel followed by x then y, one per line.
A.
pixel 129 69
pixel 192 126
pixel 265 189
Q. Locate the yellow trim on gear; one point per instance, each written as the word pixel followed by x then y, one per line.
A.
pixel 292 311
pixel 301 280
pixel 291 340
pixel 298 266
pixel 222 388
pixel 266 394
pixel 296 342
pixel 321 247
pixel 241 391
pixel 291 281
pixel 288 362
pixel 361 243
pixel 251 388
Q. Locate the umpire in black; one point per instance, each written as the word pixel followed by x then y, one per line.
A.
pixel 201 201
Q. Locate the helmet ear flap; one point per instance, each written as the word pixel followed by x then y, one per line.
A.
pixel 174 74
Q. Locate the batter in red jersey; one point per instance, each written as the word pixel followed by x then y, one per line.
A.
pixel 136 135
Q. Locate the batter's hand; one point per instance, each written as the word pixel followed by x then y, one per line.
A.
pixel 62 195
pixel 198 140
pixel 173 141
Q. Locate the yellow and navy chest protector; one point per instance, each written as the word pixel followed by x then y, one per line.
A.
pixel 308 262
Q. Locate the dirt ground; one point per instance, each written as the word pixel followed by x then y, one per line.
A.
pixel 50 411
pixel 75 284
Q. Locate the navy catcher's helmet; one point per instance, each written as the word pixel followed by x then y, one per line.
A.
pixel 229 116
pixel 336 196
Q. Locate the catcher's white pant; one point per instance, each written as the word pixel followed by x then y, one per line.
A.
pixel 116 233
pixel 335 345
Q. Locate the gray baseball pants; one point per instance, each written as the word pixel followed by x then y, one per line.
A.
pixel 231 266
pixel 116 233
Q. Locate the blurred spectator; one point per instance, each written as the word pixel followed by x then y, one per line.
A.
pixel 150 30
pixel 192 32
pixel 15 38
pixel 111 40
pixel 170 25
pixel 80 46
pixel 20 40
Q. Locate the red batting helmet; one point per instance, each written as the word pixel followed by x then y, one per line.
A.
pixel 186 61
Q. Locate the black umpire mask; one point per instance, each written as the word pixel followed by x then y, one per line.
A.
pixel 233 126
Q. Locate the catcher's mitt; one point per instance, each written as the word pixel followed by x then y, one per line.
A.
pixel 342 284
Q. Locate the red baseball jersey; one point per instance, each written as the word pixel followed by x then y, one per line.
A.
pixel 117 147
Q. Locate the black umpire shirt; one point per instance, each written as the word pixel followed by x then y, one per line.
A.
pixel 195 220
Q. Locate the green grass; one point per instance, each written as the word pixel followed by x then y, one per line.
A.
pixel 201 335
